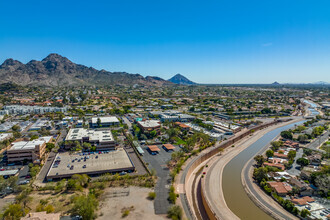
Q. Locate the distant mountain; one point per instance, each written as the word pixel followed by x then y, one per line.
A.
pixel 275 83
pixel 56 70
pixel 181 80
pixel 321 83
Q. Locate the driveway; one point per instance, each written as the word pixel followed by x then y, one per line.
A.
pixel 293 170
pixel 159 163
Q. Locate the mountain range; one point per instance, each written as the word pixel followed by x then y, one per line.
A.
pixel 56 70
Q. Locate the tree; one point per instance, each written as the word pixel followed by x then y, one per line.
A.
pixel 317 131
pixel 17 134
pixel 260 160
pixel 98 122
pixel 302 138
pixel 85 206
pixel 276 145
pixel 286 135
pixel 292 154
pixel 303 161
pixel 304 213
pixel 50 146
pixel 153 133
pixel 34 137
pixel 308 151
pixel 269 153
pixel 175 212
pixel 16 128
pixel 260 173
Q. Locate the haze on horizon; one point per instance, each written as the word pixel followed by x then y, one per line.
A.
pixel 213 42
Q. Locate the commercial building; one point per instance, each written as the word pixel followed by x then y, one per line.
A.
pixel 65 164
pixel 104 121
pixel 174 116
pixel 149 125
pixel 101 139
pixel 5 136
pixel 28 150
pixel 40 124
pixel 7 126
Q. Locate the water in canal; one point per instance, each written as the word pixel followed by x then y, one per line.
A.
pixel 235 196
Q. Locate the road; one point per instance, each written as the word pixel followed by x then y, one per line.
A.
pixel 319 141
pixel 44 170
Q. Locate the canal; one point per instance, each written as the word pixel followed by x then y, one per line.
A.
pixel 235 196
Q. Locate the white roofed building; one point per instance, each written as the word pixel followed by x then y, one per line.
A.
pixel 104 121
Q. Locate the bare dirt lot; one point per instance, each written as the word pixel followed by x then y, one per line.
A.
pixel 6 201
pixel 114 200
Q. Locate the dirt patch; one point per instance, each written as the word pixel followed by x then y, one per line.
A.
pixel 114 200
pixel 6 201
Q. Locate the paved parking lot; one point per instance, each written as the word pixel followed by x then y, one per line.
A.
pixel 158 162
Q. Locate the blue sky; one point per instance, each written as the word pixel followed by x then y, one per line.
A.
pixel 207 41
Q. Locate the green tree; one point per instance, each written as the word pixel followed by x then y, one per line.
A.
pixel 304 213
pixel 276 145
pixel 308 151
pixel 260 160
pixel 153 133
pixel 292 154
pixel 286 135
pixel 98 122
pixel 16 128
pixel 303 161
pixel 269 153
pixel 85 206
pixel 260 174
pixel 50 146
pixel 302 138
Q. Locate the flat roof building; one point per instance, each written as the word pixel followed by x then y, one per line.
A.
pixel 4 136
pixel 104 121
pixel 66 165
pixel 28 150
pixel 149 125
pixel 101 139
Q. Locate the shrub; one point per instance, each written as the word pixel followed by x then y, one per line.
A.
pixel 175 212
pixel 151 195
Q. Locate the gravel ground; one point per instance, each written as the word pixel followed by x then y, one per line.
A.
pixel 115 199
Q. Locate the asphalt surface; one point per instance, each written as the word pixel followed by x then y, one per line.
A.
pixel 23 173
pixel 44 170
pixel 295 169
pixel 158 162
pixel 320 140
